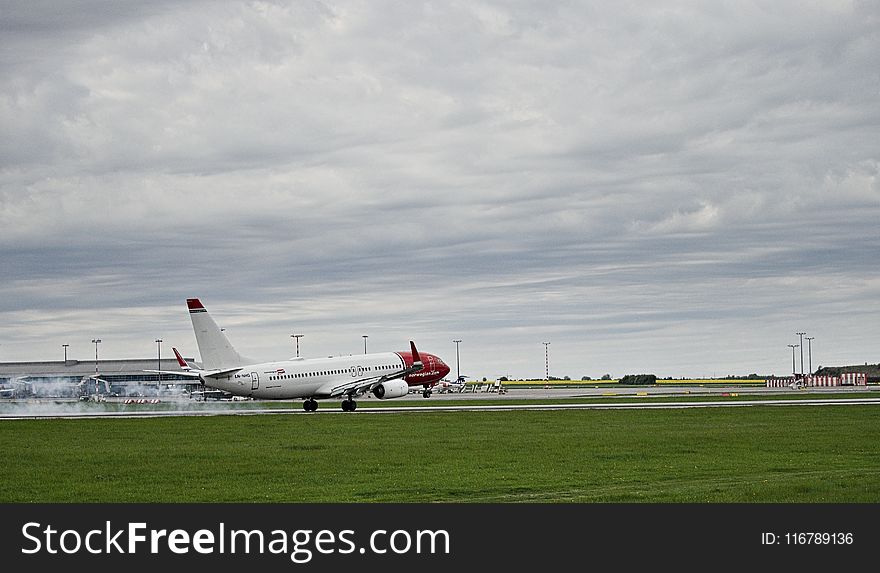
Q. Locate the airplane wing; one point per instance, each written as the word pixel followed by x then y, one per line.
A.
pixel 364 385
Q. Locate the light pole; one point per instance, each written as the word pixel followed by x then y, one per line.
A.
pixel 801 334
pixel 96 342
pixel 159 363
pixel 365 336
pixel 457 363
pixel 297 337
pixel 810 352
pixel 64 346
pixel 793 368
pixel 546 360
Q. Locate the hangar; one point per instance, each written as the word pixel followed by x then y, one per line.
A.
pixel 76 378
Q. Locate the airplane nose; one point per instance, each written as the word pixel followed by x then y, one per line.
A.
pixel 444 369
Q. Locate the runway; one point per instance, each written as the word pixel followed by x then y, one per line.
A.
pixel 408 409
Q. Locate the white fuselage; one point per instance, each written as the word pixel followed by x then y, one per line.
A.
pixel 301 378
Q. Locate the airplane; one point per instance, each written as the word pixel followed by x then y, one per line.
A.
pixel 445 386
pixel 386 375
pixel 440 386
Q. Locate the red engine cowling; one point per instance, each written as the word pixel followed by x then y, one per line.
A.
pixel 391 389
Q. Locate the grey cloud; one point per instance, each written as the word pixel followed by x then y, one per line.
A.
pixel 613 178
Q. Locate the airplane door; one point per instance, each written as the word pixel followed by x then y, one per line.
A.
pixel 255 381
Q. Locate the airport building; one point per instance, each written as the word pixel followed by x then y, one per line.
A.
pixel 77 378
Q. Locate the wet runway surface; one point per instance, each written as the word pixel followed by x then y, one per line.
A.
pixel 599 399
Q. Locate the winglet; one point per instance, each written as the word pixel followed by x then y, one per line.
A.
pixel 415 353
pixel 180 359
pixel 417 360
pixel 195 305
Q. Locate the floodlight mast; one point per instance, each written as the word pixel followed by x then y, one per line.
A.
pixel 96 342
pixel 297 337
pixel 801 334
pixel 159 361
pixel 546 360
pixel 810 351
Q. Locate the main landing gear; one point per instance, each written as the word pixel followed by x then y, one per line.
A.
pixel 348 405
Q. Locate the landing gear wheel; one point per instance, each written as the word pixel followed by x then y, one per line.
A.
pixel 349 405
pixel 310 405
pixel 426 394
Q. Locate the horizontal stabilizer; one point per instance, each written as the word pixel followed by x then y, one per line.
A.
pixel 188 374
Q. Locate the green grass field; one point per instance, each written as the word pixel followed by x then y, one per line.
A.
pixel 755 454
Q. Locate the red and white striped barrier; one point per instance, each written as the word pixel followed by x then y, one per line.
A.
pixel 779 382
pixel 854 379
pixel 845 379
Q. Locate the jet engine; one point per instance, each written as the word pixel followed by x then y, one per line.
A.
pixel 391 389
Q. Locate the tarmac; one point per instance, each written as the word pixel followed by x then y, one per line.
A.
pixel 601 398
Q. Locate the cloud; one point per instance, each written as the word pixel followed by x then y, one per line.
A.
pixel 631 181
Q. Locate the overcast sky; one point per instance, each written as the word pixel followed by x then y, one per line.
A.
pixel 664 187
